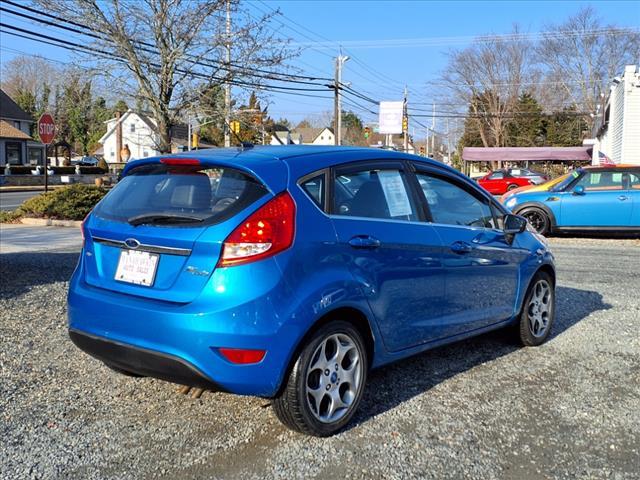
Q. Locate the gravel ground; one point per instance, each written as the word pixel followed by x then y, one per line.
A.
pixel 481 409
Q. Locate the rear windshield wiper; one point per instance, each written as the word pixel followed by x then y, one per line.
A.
pixel 163 218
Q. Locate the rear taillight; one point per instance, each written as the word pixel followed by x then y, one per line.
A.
pixel 266 232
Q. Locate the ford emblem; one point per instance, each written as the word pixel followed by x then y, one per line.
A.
pixel 132 243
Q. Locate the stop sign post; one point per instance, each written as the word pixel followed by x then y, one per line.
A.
pixel 47 131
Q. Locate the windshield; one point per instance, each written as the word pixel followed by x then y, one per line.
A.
pixel 185 195
pixel 567 181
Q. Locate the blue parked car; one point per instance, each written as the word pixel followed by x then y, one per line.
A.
pixel 291 272
pixel 589 199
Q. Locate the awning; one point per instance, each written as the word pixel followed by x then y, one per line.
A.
pixel 527 154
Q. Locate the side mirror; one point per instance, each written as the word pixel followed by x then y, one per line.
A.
pixel 579 190
pixel 514 224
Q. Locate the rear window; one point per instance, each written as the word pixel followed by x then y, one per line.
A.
pixel 187 195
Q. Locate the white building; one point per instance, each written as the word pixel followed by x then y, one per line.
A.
pixel 139 133
pixel 617 134
pixel 313 136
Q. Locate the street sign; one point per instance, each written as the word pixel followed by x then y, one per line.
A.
pixel 391 114
pixel 46 128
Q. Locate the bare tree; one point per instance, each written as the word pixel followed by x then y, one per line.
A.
pixel 582 55
pixel 489 76
pixel 162 51
pixel 28 74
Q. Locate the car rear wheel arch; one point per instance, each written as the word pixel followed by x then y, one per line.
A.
pixel 350 315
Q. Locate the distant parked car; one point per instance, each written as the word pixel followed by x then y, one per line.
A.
pixel 591 198
pixel 290 272
pixel 542 187
pixel 86 162
pixel 505 179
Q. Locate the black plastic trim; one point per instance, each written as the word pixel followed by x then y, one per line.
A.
pixel 140 361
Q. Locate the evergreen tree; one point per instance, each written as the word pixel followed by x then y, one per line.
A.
pixel 527 127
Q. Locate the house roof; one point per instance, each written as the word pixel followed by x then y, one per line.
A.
pixel 9 131
pixel 309 134
pixel 521 154
pixel 10 109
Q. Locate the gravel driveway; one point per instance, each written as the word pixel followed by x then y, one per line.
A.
pixel 481 409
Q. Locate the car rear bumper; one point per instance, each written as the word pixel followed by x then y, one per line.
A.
pixel 142 361
pixel 180 342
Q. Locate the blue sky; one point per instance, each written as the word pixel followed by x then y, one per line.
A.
pixel 368 30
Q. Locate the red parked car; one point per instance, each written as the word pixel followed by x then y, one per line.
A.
pixel 500 181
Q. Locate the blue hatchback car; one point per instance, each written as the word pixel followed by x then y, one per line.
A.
pixel 291 272
pixel 604 198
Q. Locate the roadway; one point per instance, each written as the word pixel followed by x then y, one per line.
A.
pixel 10 200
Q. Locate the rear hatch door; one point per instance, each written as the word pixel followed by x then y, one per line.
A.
pixel 158 233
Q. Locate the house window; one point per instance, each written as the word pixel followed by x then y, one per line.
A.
pixel 321 137
pixel 17 125
pixel 13 151
pixel 145 153
pixel 35 156
pixel 112 153
pixel 133 128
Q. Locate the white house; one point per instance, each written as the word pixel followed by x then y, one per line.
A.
pixel 138 132
pixel 282 137
pixel 313 136
pixel 617 135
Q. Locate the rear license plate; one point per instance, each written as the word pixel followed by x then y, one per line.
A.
pixel 138 268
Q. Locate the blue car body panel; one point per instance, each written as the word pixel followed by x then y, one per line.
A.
pixel 413 292
pixel 614 208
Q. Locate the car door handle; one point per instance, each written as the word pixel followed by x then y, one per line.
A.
pixel 460 247
pixel 622 198
pixel 364 241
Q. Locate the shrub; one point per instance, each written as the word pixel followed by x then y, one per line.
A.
pixel 9 217
pixel 20 170
pixel 67 203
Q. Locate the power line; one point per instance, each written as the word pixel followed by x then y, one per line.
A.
pixel 152 49
pixel 86 49
pixel 444 41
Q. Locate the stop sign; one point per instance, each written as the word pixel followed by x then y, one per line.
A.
pixel 46 128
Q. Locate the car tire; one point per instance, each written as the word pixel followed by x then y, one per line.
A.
pixel 511 187
pixel 537 218
pixel 538 311
pixel 315 400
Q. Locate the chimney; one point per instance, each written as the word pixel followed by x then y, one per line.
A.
pixel 118 137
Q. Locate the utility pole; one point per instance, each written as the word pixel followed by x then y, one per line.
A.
pixel 227 85
pixel 337 108
pixel 189 135
pixel 405 122
pixel 433 131
pixel 448 144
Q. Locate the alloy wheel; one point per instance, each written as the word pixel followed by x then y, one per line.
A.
pixel 334 378
pixel 539 308
pixel 537 220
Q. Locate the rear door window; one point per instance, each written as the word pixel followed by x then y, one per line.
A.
pixel 374 193
pixel 185 195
